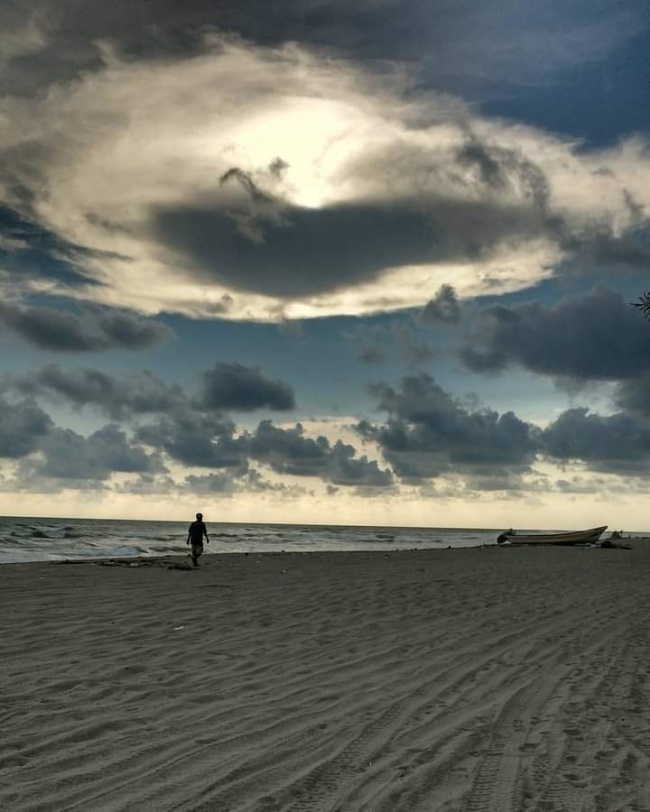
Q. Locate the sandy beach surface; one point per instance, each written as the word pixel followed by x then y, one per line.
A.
pixel 482 680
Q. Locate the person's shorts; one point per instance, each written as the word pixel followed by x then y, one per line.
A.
pixel 197 549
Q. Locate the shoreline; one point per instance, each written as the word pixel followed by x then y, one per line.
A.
pixel 171 558
pixel 159 560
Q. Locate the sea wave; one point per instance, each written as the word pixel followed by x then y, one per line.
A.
pixel 69 539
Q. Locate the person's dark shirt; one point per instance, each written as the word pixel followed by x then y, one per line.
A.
pixel 196 532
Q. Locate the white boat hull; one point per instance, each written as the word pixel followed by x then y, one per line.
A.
pixel 563 539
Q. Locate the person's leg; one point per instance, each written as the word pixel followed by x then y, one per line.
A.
pixel 197 550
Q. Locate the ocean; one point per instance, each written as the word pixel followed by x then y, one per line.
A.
pixel 29 539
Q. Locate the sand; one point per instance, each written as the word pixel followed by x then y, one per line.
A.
pixel 484 680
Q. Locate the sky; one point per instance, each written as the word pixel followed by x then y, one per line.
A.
pixel 326 262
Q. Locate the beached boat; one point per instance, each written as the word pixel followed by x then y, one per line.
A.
pixel 514 539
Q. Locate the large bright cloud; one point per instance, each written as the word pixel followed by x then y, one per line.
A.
pixel 271 183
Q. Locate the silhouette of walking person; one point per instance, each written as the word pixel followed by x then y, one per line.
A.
pixel 195 537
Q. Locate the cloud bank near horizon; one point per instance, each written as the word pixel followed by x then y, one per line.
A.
pixel 168 439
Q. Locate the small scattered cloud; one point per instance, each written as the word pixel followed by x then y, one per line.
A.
pixel 235 387
pixel 444 307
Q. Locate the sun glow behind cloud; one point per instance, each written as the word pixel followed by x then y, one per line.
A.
pixel 122 143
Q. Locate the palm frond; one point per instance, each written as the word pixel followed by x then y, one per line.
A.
pixel 644 304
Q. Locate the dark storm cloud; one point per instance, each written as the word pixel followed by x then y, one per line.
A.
pixel 428 433
pixel 489 196
pixel 92 331
pixel 23 425
pixel 617 444
pixel 457 42
pixel 28 434
pixel 204 441
pixel 68 455
pixel 595 336
pixel 311 251
pixel 118 398
pixel 289 451
pixel 196 439
pixel 633 395
pixel 133 332
pixel 347 470
pixel 469 211
pixel 444 307
pixel 223 387
pixel 233 386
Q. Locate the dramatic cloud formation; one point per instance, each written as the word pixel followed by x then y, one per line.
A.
pixel 427 435
pixel 268 183
pixel 276 204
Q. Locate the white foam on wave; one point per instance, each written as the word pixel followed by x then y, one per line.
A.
pixel 52 539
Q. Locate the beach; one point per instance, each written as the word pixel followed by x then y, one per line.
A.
pixel 476 680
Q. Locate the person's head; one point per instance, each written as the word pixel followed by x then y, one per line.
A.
pixel 199 516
